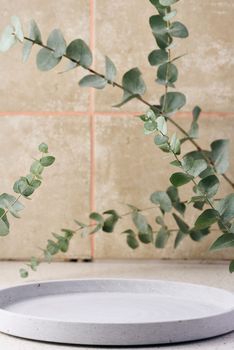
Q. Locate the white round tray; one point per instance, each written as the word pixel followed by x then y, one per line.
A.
pixel 115 312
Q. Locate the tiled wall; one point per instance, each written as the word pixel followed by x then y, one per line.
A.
pixel 103 158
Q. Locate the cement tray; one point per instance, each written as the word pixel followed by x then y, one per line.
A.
pixel 115 312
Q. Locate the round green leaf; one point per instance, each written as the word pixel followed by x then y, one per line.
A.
pixel 110 69
pixel 157 57
pixel 162 199
pixel 167 74
pixel 178 30
pixel 224 241
pixel 206 219
pixel 17 28
pixel 93 81
pixel 43 147
pixel 208 186
pixel 180 179
pixel 7 39
pixel 47 161
pixel 46 60
pixel 78 50
pixel 57 42
pixel 162 238
pixel 174 101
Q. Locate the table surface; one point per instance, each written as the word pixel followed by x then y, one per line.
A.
pixel 209 273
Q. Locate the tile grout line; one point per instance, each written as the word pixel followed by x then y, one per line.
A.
pixel 92 125
pixel 104 113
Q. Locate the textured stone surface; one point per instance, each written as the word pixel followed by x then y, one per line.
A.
pixel 215 274
pixel 130 168
pixel 23 87
pixel 64 194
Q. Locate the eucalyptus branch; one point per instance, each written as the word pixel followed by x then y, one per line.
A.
pixel 140 98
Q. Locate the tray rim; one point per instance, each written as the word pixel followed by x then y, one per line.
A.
pixel 99 279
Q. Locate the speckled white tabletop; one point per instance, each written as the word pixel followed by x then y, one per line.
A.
pixel 212 274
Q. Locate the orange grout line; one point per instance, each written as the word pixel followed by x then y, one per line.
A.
pixel 92 125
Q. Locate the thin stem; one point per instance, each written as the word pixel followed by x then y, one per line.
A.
pixel 141 99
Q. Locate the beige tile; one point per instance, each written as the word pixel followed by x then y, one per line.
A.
pixel 23 87
pixel 64 194
pixel 205 74
pixel 130 168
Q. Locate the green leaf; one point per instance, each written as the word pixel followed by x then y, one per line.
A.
pixel 163 200
pixel 145 238
pixel 220 155
pixel 35 35
pixel 175 144
pixel 174 101
pixel 161 9
pixel 180 179
pixel 79 51
pixel 36 168
pixel 162 238
pixel 111 70
pixel 167 74
pixel 4 224
pixel 225 207
pixel 23 187
pixel 168 2
pixel 80 224
pixel 160 31
pixel 133 84
pixel 170 15
pixel 7 39
pixel 46 60
pixel 23 273
pixel 43 147
pixel 197 235
pixel 132 241
pixel 162 125
pixel 63 244
pixel 140 222
pixel 150 126
pixel 193 167
pixel 208 186
pixel 52 247
pixel 47 161
pixel 178 30
pixel 231 266
pixel 160 139
pixel 176 163
pixel 157 57
pixel 33 264
pixel 11 203
pixel 224 241
pixel 57 42
pixel 181 223
pixel 179 237
pixel 194 129
pixel 111 221
pixel 18 30
pixel 94 81
pixel 206 219
pixel 96 217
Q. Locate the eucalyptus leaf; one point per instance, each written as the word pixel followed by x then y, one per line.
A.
pixel 111 221
pixel 111 70
pixel 23 273
pixel 162 199
pixel 93 81
pixel 206 219
pixel 35 35
pixel 180 179
pixel 174 101
pixel 140 222
pixel 224 241
pixel 168 2
pixel 178 30
pixel 7 39
pixel 133 85
pixel 162 125
pixel 225 207
pixel 193 167
pixel 4 224
pixel 170 15
pixel 231 266
pixel 11 203
pixel 181 223
pixel 18 30
pixel 162 238
pixel 47 161
pixel 43 147
pixel 197 235
pixel 157 57
pixel 79 51
pixel 57 42
pixel 46 59
pixel 220 155
pixel 167 74
pixel 175 144
pixel 208 186
pixel 179 237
